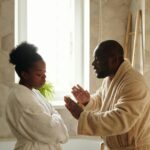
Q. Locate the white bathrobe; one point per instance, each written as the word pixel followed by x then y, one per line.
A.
pixel 119 112
pixel 33 121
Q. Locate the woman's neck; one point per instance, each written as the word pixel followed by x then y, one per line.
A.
pixel 25 84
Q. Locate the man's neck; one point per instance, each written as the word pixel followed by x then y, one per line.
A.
pixel 111 77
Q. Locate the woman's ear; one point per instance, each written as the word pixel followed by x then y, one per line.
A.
pixel 24 75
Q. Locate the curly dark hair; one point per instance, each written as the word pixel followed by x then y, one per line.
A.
pixel 23 57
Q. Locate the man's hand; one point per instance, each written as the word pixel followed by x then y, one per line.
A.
pixel 82 96
pixel 73 107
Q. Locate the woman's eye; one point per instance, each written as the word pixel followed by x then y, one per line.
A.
pixel 39 75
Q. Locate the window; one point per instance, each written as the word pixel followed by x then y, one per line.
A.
pixel 56 28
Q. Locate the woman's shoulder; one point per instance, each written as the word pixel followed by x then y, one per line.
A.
pixel 22 96
pixel 21 91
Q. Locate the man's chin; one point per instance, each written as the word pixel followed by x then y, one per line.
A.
pixel 101 76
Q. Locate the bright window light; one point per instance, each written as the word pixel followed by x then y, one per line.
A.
pixel 55 27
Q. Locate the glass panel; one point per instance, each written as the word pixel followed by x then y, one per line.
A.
pixel 50 26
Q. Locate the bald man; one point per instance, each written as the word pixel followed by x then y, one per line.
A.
pixel 119 112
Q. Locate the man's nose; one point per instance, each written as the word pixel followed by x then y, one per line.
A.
pixel 93 63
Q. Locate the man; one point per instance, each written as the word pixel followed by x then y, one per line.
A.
pixel 119 111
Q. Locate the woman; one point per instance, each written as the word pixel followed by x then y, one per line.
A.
pixel 32 120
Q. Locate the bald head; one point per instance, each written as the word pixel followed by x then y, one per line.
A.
pixel 110 48
pixel 108 56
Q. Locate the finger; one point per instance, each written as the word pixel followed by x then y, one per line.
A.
pixel 75 89
pixel 70 108
pixel 67 106
pixel 74 93
pixel 71 111
pixel 87 92
pixel 71 104
pixel 67 99
pixel 79 87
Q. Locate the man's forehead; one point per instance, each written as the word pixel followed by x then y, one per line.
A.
pixel 94 52
pixel 100 52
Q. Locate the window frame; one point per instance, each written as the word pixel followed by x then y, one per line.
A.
pixel 81 40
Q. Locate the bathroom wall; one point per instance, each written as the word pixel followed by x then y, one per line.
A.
pixel 108 20
pixel 144 6
pixel 6 71
pixel 136 6
pixel 6 40
pixel 147 42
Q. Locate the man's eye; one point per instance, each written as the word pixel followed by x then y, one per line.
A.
pixel 96 60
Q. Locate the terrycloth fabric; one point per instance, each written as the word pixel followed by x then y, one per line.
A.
pixel 119 112
pixel 33 121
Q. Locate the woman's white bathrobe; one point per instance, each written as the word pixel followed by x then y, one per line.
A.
pixel 33 121
pixel 120 112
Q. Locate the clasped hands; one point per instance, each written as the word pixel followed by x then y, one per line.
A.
pixel 81 96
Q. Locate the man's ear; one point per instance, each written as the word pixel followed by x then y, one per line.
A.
pixel 114 63
pixel 113 60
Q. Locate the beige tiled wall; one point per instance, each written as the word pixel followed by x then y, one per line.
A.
pixel 0 23
pixel 147 42
pixel 6 40
pixel 6 70
pixel 108 20
pixel 144 6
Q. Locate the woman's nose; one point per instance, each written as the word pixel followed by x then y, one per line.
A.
pixel 44 76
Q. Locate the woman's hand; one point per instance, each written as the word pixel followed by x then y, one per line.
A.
pixel 82 96
pixel 73 107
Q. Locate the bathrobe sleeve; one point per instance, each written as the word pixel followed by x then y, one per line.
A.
pixel 42 127
pixel 38 125
pixel 131 103
pixel 95 102
pixel 94 105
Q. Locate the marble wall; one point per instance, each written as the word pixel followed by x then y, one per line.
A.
pixel 142 55
pixel 108 20
pixel 6 40
pixel 138 55
pixel 95 35
pixel 146 42
pixel 6 70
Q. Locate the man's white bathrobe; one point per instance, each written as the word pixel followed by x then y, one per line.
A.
pixel 33 121
pixel 120 112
